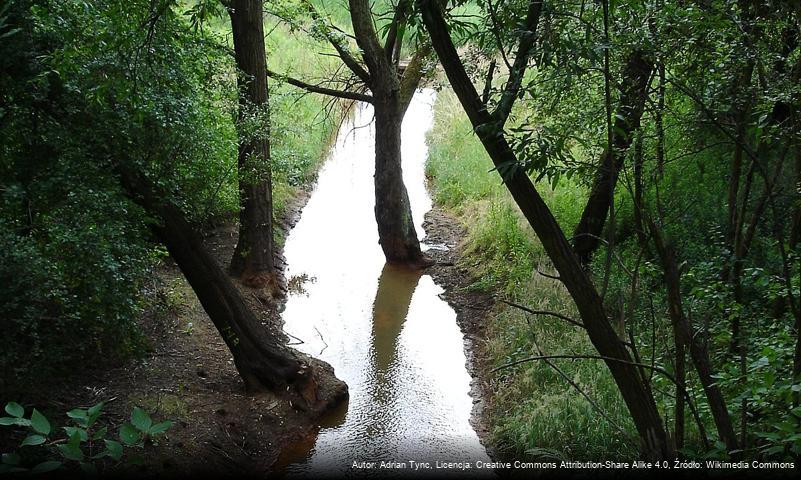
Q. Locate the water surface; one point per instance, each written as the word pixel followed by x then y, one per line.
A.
pixel 383 328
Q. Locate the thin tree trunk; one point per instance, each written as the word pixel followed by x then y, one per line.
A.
pixel 696 342
pixel 658 120
pixel 681 380
pixel 638 191
pixel 632 387
pixel 253 257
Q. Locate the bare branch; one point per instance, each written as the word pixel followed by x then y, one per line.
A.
pixel 361 97
pixel 488 82
pixel 342 50
pixel 544 312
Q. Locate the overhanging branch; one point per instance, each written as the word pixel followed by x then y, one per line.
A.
pixel 310 87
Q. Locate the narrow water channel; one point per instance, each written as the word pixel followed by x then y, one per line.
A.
pixel 384 329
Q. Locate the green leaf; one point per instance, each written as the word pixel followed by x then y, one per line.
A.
pixel 93 413
pixel 22 422
pixel 80 431
pixel 5 421
pixel 15 409
pixel 33 440
pixel 94 410
pixel 129 434
pixel 40 423
pixel 88 468
pixel 80 416
pixel 72 449
pixel 114 449
pixel 70 452
pixel 141 420
pixel 100 434
pixel 45 467
pixel 11 459
pixel 160 428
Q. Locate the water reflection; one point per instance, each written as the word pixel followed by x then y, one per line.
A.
pixel 383 328
pixel 392 299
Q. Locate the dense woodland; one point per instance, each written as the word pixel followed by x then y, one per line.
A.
pixel 628 174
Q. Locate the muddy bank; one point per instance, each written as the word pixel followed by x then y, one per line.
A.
pixel 472 309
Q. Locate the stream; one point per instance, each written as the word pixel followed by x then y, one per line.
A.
pixel 384 329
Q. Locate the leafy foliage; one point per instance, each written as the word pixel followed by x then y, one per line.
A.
pixel 85 443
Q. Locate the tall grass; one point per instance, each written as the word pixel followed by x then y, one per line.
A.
pixel 534 412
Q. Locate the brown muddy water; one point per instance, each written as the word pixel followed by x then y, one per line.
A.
pixel 384 329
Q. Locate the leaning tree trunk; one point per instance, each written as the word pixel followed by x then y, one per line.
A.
pixel 263 362
pixel 253 257
pixel 633 388
pixel 633 93
pixel 393 212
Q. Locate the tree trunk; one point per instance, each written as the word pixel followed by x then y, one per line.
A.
pixel 263 362
pixel 636 74
pixel 681 381
pixel 641 404
pixel 393 212
pixel 253 257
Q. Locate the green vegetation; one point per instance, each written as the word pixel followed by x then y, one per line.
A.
pixel 82 90
pixel 534 411
pixel 85 443
pixel 664 140
pixel 653 147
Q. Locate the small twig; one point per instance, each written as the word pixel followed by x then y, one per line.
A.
pixel 548 275
pixel 544 312
pixel 321 338
pixel 299 341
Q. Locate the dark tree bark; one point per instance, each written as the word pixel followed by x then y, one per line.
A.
pixel 633 93
pixel 632 385
pixel 253 257
pixel 263 362
pixel 393 212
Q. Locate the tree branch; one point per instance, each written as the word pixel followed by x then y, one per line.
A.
pixel 401 12
pixel 527 38
pixel 362 17
pixel 361 97
pixel 544 312
pixel 342 50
